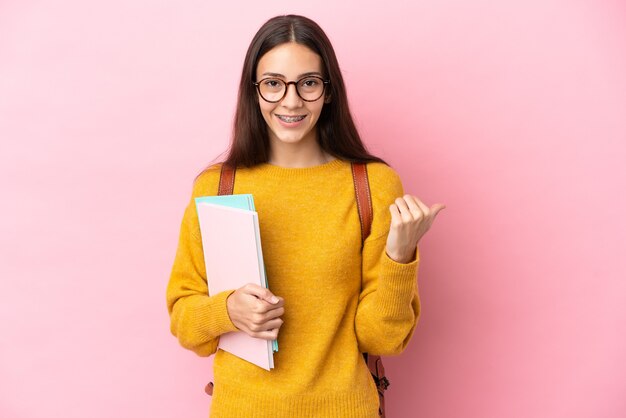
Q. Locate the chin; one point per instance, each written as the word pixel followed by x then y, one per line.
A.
pixel 291 137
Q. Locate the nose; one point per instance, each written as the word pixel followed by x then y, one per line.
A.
pixel 291 98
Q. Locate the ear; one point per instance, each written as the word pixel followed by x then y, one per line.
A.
pixel 328 99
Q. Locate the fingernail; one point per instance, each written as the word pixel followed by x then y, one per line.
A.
pixel 274 299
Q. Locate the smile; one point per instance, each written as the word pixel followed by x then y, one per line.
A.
pixel 290 119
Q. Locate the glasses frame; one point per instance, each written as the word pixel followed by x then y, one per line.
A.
pixel 287 83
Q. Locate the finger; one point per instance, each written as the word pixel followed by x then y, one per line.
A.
pixel 436 208
pixel 273 324
pixel 425 209
pixel 404 210
pixel 266 335
pixel 274 313
pixel 260 320
pixel 395 214
pixel 264 325
pixel 259 325
pixel 261 307
pixel 261 293
pixel 273 306
pixel 416 210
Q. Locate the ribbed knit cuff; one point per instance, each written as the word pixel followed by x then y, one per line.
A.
pixel 214 315
pixel 397 285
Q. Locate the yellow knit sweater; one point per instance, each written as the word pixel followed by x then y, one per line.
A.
pixel 339 301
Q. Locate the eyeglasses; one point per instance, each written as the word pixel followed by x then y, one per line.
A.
pixel 309 89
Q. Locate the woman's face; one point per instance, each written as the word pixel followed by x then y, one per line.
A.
pixel 290 62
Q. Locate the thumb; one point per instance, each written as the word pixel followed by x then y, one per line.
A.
pixel 261 293
pixel 436 208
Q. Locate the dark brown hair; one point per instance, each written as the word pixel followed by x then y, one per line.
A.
pixel 336 131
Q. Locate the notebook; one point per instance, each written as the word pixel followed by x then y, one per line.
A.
pixel 233 256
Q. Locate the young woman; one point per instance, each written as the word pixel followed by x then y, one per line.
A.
pixel 331 297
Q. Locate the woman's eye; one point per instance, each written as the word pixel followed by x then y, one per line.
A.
pixel 272 83
pixel 311 82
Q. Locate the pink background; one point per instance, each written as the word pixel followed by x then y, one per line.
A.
pixel 511 113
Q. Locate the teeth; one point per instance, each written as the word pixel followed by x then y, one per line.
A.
pixel 290 119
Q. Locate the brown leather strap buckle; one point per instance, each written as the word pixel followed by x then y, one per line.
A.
pixel 208 389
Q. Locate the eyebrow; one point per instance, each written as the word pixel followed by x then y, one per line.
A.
pixel 300 76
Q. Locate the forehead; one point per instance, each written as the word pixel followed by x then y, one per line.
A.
pixel 290 60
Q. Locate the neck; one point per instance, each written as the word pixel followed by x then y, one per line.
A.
pixel 302 155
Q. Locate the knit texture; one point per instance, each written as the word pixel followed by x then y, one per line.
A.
pixel 341 299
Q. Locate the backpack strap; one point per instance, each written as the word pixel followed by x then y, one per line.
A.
pixel 376 368
pixel 363 198
pixel 225 187
pixel 227 180
pixel 366 214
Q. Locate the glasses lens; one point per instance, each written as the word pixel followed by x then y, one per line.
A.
pixel 311 88
pixel 272 89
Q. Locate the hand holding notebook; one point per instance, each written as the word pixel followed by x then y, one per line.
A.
pixel 256 311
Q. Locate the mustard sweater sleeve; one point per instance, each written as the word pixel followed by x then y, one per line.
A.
pixel 389 304
pixel 197 319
